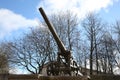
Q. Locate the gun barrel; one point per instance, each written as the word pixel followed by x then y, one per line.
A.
pixel 52 30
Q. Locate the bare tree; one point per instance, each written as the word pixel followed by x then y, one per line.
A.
pixel 117 31
pixel 32 51
pixel 66 25
pixel 92 25
pixel 106 56
pixel 4 66
pixel 117 43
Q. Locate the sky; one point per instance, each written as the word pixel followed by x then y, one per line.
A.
pixel 17 16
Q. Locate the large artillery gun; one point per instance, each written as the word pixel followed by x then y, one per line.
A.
pixel 65 64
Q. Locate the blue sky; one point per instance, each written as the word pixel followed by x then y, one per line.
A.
pixel 16 16
pixel 27 8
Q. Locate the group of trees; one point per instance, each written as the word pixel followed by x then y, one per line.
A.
pixel 92 43
pixel 103 44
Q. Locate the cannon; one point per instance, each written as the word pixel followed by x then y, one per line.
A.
pixel 65 64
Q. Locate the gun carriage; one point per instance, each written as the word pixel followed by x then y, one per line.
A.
pixel 65 65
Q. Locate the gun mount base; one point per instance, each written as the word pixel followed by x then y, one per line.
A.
pixel 63 67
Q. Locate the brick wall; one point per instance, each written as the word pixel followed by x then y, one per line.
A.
pixel 36 77
pixel 62 78
pixel 22 77
pixel 105 77
pixel 3 76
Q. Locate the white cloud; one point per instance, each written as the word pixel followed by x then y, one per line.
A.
pixel 10 21
pixel 17 70
pixel 80 7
